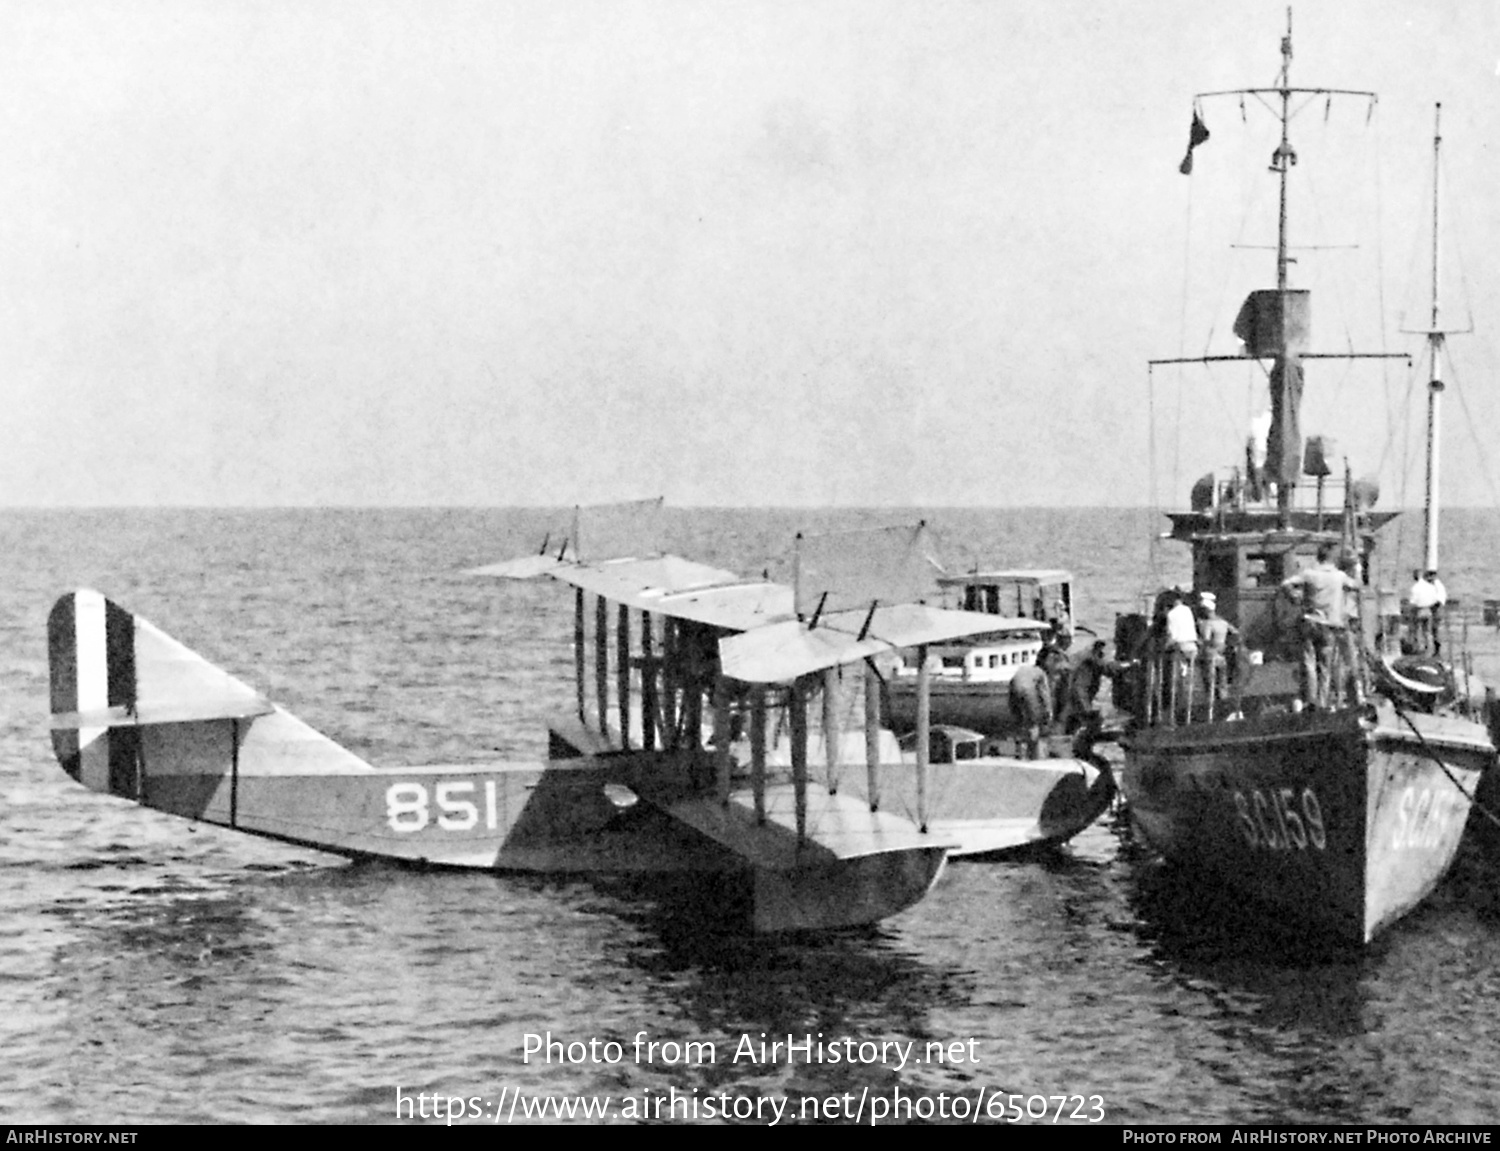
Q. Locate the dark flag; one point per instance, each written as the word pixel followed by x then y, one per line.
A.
pixel 1284 444
pixel 1197 134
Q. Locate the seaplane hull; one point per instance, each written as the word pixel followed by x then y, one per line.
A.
pixel 1338 821
pixel 983 806
pixel 139 716
pixel 995 805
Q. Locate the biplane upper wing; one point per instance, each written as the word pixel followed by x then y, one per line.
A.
pixel 614 552
pixel 858 594
pixel 793 648
pixel 683 589
pixel 523 567
pixel 666 584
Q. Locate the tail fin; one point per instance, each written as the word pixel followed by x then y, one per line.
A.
pixel 113 673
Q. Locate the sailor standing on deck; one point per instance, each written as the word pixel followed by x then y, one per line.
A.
pixel 1031 706
pixel 1323 618
pixel 1215 631
pixel 1182 649
pixel 1182 628
pixel 1424 599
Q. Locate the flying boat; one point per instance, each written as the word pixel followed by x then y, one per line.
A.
pixel 686 753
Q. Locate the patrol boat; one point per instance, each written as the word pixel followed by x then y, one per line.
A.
pixel 1336 801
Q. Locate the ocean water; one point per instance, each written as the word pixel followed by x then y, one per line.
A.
pixel 154 970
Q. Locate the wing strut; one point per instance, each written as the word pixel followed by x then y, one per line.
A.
pixel 924 721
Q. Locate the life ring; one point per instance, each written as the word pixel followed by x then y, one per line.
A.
pixel 1419 676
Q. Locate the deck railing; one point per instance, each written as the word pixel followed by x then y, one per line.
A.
pixel 1185 688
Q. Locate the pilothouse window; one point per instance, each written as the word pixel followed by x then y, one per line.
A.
pixel 1265 570
pixel 982 598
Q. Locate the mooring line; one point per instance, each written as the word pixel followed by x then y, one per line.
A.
pixel 1437 759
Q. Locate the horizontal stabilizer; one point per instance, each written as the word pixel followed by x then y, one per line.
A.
pixel 784 651
pixel 107 665
pixel 180 711
pixel 110 670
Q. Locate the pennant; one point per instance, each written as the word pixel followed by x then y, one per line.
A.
pixel 1197 134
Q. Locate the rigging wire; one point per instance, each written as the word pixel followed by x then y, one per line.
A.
pixel 1402 428
pixel 1398 401
pixel 1385 366
pixel 1404 474
pixel 1437 759
pixel 1484 463
pixel 1154 549
pixel 1457 252
pixel 1153 557
pixel 1335 285
pixel 1251 197
pixel 1177 439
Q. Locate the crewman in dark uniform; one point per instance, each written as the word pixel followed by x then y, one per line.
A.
pixel 1031 706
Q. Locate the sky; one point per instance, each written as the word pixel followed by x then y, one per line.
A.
pixel 866 253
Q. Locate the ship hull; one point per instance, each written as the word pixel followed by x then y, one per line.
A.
pixel 1342 821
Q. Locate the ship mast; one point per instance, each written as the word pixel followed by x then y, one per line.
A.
pixel 1274 323
pixel 1284 156
pixel 1281 161
pixel 1435 339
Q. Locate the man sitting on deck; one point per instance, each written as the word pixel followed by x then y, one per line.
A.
pixel 1323 619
